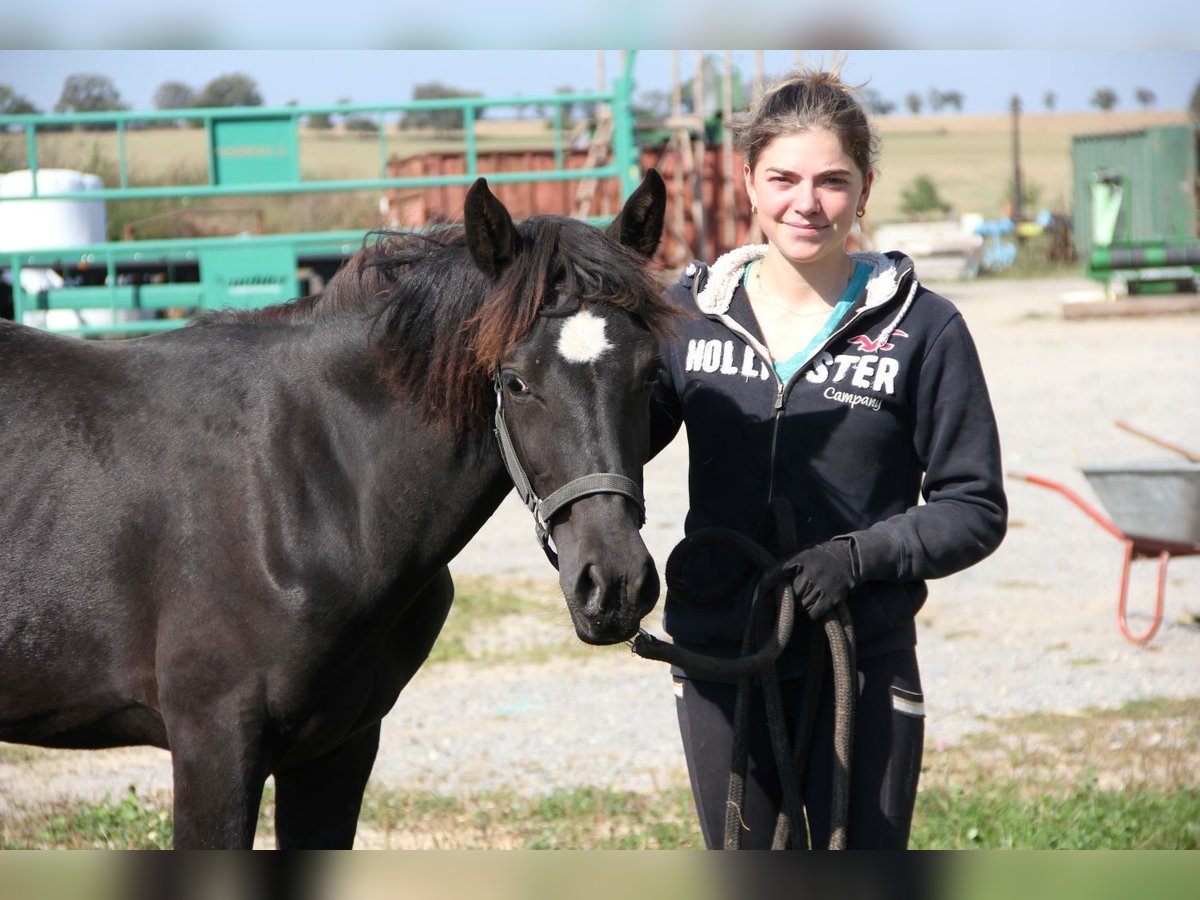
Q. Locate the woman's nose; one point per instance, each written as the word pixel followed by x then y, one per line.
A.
pixel 805 199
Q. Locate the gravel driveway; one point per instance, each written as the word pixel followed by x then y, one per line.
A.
pixel 1031 628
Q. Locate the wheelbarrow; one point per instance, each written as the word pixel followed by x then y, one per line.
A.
pixel 1155 509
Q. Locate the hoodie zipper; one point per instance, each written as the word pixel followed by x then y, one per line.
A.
pixel 782 388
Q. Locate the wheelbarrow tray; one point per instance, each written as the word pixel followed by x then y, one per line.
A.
pixel 1155 501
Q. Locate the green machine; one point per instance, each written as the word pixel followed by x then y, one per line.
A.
pixel 1136 208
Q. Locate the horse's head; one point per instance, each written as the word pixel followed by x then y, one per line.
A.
pixel 575 391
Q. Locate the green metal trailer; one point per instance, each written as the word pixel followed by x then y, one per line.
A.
pixel 255 151
pixel 1136 208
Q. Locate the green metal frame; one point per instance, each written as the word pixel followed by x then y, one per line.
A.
pixel 254 150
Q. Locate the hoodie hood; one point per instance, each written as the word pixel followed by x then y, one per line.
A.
pixel 888 272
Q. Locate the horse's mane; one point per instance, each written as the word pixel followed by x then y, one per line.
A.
pixel 442 327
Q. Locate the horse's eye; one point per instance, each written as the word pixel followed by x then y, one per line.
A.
pixel 655 371
pixel 514 384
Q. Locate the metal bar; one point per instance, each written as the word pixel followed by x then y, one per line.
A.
pixel 202 114
pixel 122 164
pixel 124 297
pixel 310 187
pixel 471 161
pixel 1098 517
pixel 31 156
pixel 556 117
pixel 624 150
pixel 211 140
pixel 383 151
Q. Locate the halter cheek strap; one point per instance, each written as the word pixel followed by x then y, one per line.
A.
pixel 584 486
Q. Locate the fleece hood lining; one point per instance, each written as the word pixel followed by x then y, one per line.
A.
pixel 882 284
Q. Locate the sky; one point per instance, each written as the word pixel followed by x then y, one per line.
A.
pixel 986 78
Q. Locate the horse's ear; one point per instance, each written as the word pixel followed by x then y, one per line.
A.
pixel 639 225
pixel 491 235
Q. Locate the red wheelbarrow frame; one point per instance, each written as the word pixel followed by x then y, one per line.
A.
pixel 1135 548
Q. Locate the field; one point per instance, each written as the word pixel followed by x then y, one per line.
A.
pixel 969 158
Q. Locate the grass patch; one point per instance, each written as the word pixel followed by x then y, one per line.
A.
pixel 131 823
pixel 497 621
pixel 1099 779
pixel 993 815
pixel 588 818
pixel 1113 779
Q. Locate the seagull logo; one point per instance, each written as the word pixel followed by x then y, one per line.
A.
pixel 866 345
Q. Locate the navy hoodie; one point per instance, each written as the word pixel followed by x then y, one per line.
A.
pixel 885 435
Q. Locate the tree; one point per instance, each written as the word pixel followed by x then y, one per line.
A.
pixel 1145 97
pixel 921 196
pixel 913 101
pixel 88 93
pixel 652 104
pixel 936 100
pixel 447 119
pixel 1104 99
pixel 320 121
pixel 1049 100
pixel 876 104
pixel 12 103
pixel 953 98
pixel 233 89
pixel 174 95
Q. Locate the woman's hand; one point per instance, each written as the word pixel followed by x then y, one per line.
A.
pixel 825 574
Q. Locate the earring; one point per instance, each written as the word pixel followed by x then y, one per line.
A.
pixel 754 209
pixel 862 212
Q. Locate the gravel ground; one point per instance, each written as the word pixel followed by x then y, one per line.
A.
pixel 1031 628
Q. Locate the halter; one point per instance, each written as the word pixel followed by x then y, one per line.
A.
pixel 584 486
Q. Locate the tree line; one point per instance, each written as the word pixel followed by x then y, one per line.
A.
pixel 86 92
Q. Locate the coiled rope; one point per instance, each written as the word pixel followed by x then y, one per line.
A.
pixel 768 631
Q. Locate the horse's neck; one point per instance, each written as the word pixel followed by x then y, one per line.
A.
pixel 418 484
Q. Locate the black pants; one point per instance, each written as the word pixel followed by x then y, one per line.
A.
pixel 888 741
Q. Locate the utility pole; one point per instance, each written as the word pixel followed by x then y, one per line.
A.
pixel 1015 106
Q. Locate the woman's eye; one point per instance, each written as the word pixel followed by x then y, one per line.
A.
pixel 515 385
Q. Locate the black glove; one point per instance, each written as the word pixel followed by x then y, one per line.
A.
pixel 824 576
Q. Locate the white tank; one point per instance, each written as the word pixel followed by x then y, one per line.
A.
pixel 35 224
pixel 46 225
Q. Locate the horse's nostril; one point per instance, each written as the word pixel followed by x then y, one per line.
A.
pixel 590 590
pixel 646 587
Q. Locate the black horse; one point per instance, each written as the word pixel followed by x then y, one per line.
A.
pixel 231 540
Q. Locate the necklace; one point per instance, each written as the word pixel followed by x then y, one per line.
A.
pixel 766 295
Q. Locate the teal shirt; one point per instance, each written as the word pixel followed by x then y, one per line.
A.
pixel 858 280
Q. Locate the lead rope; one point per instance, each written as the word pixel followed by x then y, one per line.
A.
pixel 791 761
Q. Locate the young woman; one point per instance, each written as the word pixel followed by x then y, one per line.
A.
pixel 836 381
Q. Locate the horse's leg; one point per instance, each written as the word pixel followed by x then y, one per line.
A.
pixel 218 782
pixel 317 804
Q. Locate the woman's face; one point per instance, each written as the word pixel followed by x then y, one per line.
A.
pixel 807 190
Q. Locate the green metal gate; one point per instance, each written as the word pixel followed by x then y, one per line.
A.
pixel 253 150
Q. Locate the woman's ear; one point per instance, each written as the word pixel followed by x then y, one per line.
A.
pixel 866 191
pixel 748 177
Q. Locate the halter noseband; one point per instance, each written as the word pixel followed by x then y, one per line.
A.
pixel 584 486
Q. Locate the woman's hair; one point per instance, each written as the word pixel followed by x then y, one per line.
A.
pixel 809 100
